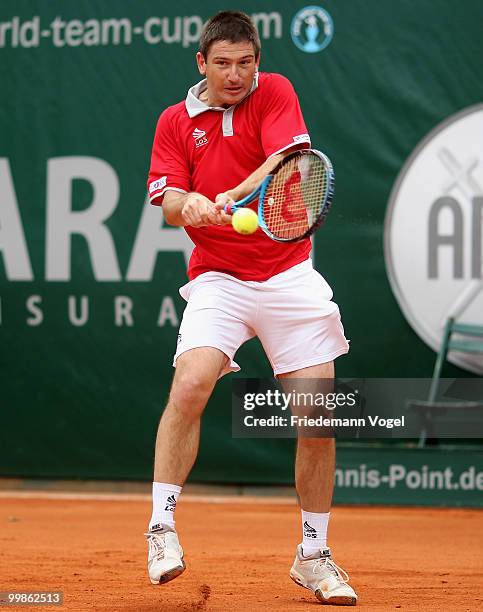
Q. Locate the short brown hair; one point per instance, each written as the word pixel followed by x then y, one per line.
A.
pixel 233 26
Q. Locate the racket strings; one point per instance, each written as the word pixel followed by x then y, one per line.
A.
pixel 295 197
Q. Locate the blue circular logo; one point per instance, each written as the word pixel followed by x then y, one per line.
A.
pixel 312 29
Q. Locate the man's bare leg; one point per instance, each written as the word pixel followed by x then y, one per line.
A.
pixel 177 445
pixel 315 457
pixel 314 479
pixel 178 436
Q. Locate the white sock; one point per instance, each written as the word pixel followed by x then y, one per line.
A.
pixel 314 527
pixel 165 497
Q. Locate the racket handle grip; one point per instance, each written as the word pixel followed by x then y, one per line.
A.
pixel 228 209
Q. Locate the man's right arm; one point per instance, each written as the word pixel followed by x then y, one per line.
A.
pixel 194 209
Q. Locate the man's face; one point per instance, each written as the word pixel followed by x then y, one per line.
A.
pixel 229 70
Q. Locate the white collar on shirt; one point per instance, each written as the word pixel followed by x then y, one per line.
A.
pixel 195 106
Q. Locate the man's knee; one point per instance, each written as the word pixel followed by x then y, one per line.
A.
pixel 190 392
pixel 195 377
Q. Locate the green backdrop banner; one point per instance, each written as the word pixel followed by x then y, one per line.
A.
pixel 89 307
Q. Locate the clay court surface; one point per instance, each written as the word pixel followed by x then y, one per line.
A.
pixel 238 555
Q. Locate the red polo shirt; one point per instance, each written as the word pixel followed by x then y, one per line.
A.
pixel 210 150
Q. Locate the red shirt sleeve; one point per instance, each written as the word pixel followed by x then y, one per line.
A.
pixel 283 125
pixel 169 167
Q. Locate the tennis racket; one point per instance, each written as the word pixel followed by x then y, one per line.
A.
pixel 295 198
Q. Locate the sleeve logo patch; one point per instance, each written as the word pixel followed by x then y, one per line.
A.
pixel 301 138
pixel 159 184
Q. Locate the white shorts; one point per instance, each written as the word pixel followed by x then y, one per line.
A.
pixel 291 313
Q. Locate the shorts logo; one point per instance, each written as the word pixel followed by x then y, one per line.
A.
pixel 159 184
pixel 200 137
pixel 312 29
pixel 435 217
pixel 309 531
pixel 170 504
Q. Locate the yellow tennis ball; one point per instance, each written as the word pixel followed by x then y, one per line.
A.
pixel 245 221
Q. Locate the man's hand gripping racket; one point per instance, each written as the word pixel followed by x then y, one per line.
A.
pixel 295 198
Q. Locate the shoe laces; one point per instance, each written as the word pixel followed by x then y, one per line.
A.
pixel 334 569
pixel 157 546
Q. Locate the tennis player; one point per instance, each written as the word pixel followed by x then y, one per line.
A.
pixel 210 149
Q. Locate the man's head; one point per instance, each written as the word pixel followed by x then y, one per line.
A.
pixel 229 56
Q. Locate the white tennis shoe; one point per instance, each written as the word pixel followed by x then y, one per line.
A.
pixel 165 555
pixel 322 576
